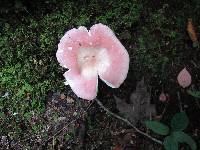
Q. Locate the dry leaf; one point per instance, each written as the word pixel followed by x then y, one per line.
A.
pixel 191 31
pixel 184 78
pixel 139 108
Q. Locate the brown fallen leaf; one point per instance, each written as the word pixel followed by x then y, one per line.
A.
pixel 191 31
pixel 139 108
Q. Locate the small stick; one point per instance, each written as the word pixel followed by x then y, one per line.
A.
pixel 128 122
pixel 180 103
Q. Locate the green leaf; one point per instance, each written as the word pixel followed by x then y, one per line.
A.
pixel 195 94
pixel 157 127
pixel 170 143
pixel 195 44
pixel 182 137
pixel 179 121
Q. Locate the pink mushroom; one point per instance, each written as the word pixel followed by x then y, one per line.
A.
pixel 89 54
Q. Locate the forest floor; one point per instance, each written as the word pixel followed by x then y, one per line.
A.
pixel 39 112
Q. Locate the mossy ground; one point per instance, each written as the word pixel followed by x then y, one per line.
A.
pixel 153 32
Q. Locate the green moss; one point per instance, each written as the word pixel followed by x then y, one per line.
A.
pixel 29 65
pixel 122 16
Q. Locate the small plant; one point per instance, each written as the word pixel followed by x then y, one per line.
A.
pixel 194 93
pixel 174 134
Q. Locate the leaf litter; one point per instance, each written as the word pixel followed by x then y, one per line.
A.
pixel 139 109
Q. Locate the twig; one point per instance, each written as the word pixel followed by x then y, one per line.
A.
pixel 128 122
pixel 179 99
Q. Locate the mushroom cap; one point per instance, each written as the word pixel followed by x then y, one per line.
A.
pixel 89 54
